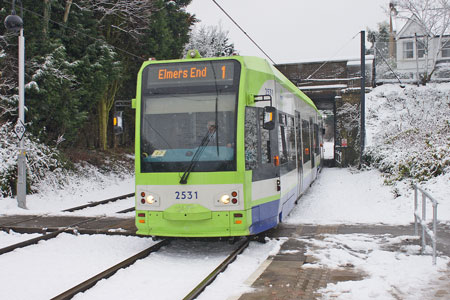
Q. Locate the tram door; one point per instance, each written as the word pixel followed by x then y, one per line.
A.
pixel 298 136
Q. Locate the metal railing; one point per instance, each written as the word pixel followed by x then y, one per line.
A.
pixel 422 220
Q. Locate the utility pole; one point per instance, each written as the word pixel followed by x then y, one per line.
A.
pixel 14 23
pixel 363 95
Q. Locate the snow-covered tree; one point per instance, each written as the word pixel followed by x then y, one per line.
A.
pixel 210 41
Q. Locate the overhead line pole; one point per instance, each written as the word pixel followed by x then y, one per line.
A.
pixel 363 95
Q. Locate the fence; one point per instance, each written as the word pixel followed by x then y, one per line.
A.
pixel 422 220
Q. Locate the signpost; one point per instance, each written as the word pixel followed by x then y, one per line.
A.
pixel 14 23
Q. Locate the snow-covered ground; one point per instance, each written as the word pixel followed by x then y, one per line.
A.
pixel 339 196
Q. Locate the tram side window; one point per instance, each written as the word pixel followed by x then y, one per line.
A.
pixel 291 139
pixel 265 140
pixel 306 141
pixel 251 138
pixel 317 142
pixel 282 144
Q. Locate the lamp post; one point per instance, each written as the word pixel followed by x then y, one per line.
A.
pixel 14 23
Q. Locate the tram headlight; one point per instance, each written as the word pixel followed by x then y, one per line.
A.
pixel 150 199
pixel 225 199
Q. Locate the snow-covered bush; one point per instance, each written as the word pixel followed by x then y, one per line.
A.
pixel 41 160
pixel 49 169
pixel 409 131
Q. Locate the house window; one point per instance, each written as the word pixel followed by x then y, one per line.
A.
pixel 408 50
pixel 445 52
pixel 420 49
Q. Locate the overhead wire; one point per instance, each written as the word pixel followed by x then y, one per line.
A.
pixel 333 56
pixel 223 10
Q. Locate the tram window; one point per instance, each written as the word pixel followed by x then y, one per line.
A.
pixel 291 139
pixel 265 141
pixel 316 135
pixel 251 138
pixel 306 141
pixel 282 144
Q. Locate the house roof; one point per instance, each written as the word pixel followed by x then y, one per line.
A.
pixel 409 26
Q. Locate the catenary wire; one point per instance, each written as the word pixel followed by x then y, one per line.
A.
pixel 333 56
pixel 244 32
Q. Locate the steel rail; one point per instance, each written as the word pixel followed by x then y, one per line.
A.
pixel 99 202
pixel 30 241
pixel 212 276
pixel 125 210
pixel 84 286
pixel 44 237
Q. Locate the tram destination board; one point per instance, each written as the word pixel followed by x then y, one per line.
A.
pixel 190 73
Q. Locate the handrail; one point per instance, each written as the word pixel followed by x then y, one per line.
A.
pixel 422 220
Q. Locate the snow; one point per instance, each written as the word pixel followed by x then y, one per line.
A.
pixel 339 196
pixel 53 266
pixel 402 274
pixel 345 196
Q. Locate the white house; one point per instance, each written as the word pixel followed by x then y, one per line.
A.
pixel 418 53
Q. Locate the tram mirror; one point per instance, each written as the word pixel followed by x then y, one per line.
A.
pixel 269 117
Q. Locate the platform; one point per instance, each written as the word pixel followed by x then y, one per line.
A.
pixel 284 277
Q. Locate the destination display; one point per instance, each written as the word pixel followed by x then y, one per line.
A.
pixel 191 73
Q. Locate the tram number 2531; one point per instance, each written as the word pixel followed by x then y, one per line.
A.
pixel 186 195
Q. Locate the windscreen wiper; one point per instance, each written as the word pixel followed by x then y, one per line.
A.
pixel 197 154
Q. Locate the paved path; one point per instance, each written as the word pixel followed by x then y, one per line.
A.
pixel 282 276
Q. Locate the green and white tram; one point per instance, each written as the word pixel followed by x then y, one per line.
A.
pixel 224 146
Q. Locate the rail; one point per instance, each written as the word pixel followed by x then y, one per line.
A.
pixel 422 220
pixel 99 202
pixel 85 285
pixel 212 276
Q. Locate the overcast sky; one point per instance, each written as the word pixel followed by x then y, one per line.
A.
pixel 295 30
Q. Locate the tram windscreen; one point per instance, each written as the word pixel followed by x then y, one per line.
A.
pixel 188 115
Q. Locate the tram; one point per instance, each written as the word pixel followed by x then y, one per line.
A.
pixel 224 146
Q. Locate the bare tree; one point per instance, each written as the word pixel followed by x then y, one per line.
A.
pixel 126 16
pixel 433 19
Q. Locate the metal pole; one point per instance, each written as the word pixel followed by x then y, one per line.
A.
pixel 434 230
pixel 417 58
pixel 363 93
pixel 21 164
pixel 424 218
pixel 415 211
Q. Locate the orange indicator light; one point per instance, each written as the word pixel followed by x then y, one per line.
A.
pixel 142 221
pixel 276 160
pixel 238 221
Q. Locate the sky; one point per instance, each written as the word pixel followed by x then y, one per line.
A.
pixel 294 30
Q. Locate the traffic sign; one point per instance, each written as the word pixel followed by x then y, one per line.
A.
pixel 19 129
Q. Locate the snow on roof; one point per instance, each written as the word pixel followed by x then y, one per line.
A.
pixel 323 87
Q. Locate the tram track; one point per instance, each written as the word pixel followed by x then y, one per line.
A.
pixel 87 284
pixel 49 233
pixel 102 202
pixel 44 237
pixel 193 294
pixel 213 275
